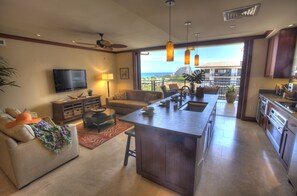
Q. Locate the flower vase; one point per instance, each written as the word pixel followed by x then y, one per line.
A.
pixel 192 88
pixel 200 92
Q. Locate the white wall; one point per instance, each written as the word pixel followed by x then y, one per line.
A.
pixel 124 60
pixel 34 63
pixel 257 79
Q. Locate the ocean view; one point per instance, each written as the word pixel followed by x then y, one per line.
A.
pixel 156 74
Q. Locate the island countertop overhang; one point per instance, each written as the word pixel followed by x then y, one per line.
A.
pixel 179 121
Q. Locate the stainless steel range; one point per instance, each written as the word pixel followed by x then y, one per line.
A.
pixel 275 127
pixel 288 106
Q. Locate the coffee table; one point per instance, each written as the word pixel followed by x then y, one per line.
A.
pixel 99 120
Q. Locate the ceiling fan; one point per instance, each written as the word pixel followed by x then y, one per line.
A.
pixel 103 44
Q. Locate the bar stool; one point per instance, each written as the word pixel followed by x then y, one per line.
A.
pixel 130 133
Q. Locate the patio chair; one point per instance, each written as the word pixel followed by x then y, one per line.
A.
pixel 211 89
pixel 168 93
pixel 173 86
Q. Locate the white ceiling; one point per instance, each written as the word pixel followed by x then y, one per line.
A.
pixel 138 23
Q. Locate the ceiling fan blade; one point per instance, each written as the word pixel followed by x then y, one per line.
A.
pixel 118 46
pixel 85 43
pixel 105 42
pixel 108 48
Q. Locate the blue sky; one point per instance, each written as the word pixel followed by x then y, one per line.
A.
pixel 156 60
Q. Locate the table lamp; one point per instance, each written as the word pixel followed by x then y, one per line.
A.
pixel 107 77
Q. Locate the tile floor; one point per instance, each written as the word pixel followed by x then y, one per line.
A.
pixel 240 161
pixel 226 109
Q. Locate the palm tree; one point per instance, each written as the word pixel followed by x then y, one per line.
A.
pixel 6 73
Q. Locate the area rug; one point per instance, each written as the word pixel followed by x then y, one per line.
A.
pixel 91 138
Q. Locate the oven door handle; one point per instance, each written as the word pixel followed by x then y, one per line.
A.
pixel 276 125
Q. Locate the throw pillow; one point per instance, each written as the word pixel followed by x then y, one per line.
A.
pixel 12 111
pixel 22 133
pixel 33 114
pixel 6 116
pixel 122 95
pixel 173 87
pixel 150 97
pixel 49 120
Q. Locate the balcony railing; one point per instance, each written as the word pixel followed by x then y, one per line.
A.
pixel 154 85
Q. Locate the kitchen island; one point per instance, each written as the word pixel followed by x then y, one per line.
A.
pixel 171 144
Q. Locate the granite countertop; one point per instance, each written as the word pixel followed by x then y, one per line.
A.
pixel 181 121
pixel 272 98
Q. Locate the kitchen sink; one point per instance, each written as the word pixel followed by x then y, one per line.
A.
pixel 194 106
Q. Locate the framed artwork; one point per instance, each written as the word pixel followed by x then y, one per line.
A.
pixel 124 73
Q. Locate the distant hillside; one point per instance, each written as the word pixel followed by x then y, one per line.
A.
pixel 181 70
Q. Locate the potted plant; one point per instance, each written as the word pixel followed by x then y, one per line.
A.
pixel 231 94
pixel 196 77
pixel 90 92
pixel 6 73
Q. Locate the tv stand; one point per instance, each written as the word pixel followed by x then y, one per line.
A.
pixel 73 109
pixel 77 97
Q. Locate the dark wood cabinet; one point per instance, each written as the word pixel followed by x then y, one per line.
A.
pixel 287 144
pixel 69 110
pixel 168 158
pixel 287 147
pixel 280 55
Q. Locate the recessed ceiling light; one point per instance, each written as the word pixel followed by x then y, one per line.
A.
pixel 73 41
pixel 38 35
pixel 291 25
pixel 232 26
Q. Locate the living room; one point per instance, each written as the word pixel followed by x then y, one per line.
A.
pixel 34 58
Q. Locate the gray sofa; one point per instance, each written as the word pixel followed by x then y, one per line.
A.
pixel 25 161
pixel 133 100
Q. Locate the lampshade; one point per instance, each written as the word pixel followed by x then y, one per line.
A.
pixel 187 52
pixel 107 76
pixel 169 44
pixel 196 60
pixel 187 57
pixel 170 51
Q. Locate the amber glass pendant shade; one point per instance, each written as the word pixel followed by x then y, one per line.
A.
pixel 187 57
pixel 170 51
pixel 196 60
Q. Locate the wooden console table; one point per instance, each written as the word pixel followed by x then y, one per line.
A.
pixel 72 109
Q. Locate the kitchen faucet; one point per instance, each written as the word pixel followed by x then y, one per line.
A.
pixel 181 93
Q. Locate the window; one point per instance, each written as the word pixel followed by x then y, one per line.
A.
pixel 222 72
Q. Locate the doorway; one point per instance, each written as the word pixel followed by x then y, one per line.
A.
pixel 222 65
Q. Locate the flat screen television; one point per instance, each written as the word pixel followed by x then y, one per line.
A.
pixel 70 79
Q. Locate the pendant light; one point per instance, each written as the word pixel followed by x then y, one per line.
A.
pixel 196 59
pixel 187 52
pixel 169 44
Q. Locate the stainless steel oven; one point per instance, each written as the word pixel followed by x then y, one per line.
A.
pixel 262 108
pixel 275 127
